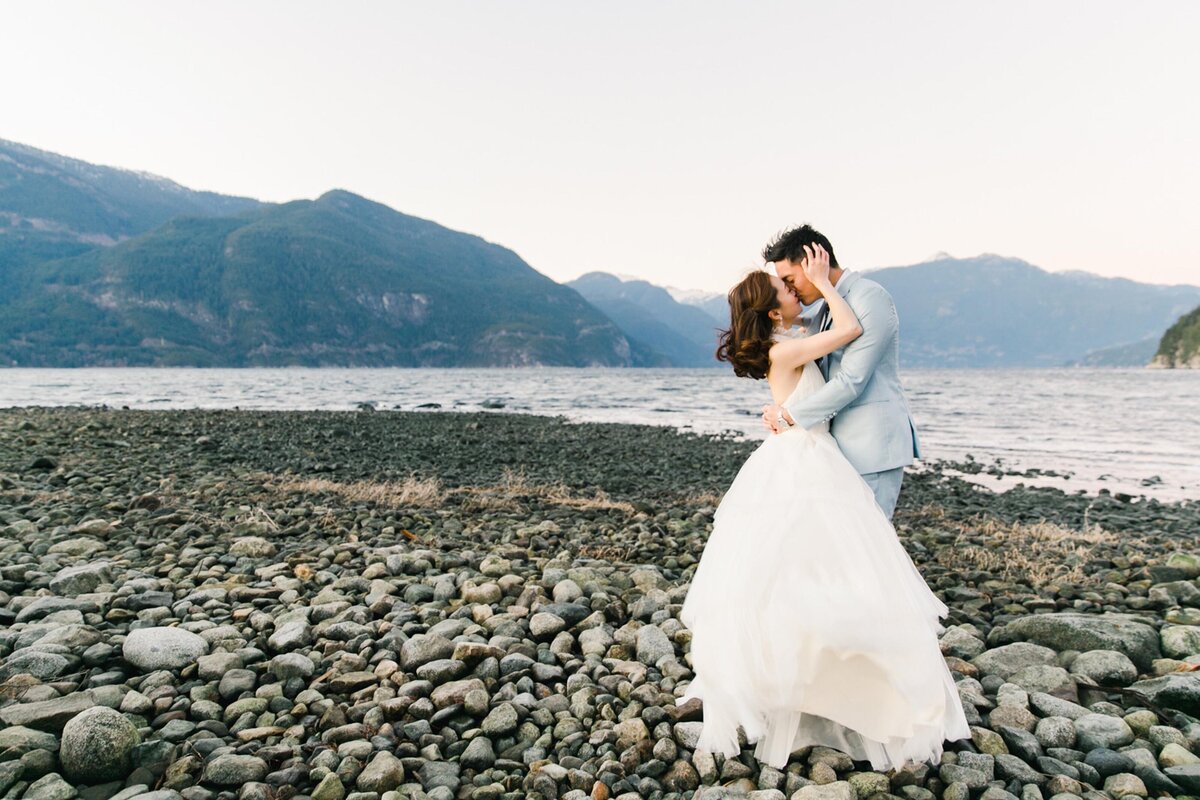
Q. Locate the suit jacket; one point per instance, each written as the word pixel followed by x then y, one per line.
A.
pixel 862 397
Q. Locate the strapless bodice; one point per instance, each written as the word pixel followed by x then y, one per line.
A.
pixel 810 381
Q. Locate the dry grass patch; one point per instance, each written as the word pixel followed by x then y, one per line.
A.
pixel 420 492
pixel 1036 554
pixel 511 493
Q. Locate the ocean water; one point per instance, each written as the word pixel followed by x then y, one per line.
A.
pixel 1128 430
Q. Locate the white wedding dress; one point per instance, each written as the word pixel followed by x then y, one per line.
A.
pixel 810 623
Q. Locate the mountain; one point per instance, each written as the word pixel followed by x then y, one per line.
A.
pixel 715 304
pixel 52 206
pixel 1180 345
pixel 992 311
pixel 338 281
pixel 1137 354
pixel 684 335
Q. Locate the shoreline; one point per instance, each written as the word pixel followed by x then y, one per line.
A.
pixel 404 604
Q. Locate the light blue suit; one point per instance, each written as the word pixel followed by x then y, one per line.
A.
pixel 862 397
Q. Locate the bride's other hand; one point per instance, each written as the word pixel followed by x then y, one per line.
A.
pixel 816 266
pixel 771 418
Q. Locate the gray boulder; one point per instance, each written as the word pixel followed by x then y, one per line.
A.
pixel 47 715
pixel 85 578
pixel 383 774
pixel 41 665
pixel 1108 667
pixel 1180 641
pixel 17 740
pixel 1125 633
pixel 1101 730
pixel 234 770
pixel 1180 691
pixel 97 745
pixel 423 648
pixel 1010 659
pixel 653 644
pixel 151 649
pixel 50 787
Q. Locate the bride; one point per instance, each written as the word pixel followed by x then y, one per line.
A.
pixel 810 624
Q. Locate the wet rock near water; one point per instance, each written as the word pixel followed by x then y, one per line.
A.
pixel 375 606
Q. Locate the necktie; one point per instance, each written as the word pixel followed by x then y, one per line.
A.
pixel 826 323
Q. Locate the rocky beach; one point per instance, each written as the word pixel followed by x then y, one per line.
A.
pixel 374 605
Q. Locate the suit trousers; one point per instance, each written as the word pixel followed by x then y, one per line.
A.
pixel 886 486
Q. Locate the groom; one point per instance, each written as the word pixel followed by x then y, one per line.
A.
pixel 862 397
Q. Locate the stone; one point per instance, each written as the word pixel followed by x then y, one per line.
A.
pixel 500 720
pixel 292 632
pixel 838 790
pixel 1179 641
pixel 1012 768
pixel 41 665
pixel 971 778
pixel 479 754
pixel 439 774
pixel 1101 730
pixel 1187 776
pixel 546 626
pixel 252 547
pixel 631 732
pixel 1106 667
pixel 234 770
pixel 455 692
pixel 1009 659
pixel 47 715
pixel 151 649
pixel 1180 691
pixel 1109 762
pixel 961 643
pixel 423 648
pixel 97 745
pixel 292 665
pixel 1046 678
pixel 82 579
pixel 1051 706
pixel 1055 732
pixel 653 645
pixel 1176 755
pixel 18 740
pixel 50 787
pixel 1022 743
pixel 987 741
pixel 866 784
pixel 687 734
pixel 1067 630
pixel 215 666
pixel 1124 784
pixel 330 788
pixel 384 773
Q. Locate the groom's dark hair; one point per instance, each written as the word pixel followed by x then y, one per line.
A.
pixel 789 245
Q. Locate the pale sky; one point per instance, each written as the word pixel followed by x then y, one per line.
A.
pixel 667 140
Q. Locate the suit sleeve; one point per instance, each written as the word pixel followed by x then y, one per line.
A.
pixel 877 316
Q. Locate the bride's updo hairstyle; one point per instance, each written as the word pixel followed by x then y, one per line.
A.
pixel 746 344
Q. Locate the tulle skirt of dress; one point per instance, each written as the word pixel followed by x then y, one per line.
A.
pixel 810 624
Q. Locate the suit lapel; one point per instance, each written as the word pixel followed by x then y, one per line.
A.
pixel 843 286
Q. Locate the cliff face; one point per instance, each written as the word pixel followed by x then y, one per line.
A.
pixel 1180 345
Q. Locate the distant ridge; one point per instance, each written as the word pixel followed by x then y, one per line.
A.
pixel 683 334
pixel 339 280
pixel 996 311
pixel 1180 345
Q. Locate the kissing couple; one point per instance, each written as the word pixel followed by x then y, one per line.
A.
pixel 810 623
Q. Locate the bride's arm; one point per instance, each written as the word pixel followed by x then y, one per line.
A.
pixel 845 328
